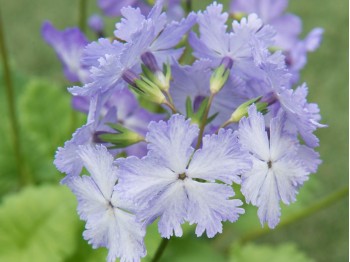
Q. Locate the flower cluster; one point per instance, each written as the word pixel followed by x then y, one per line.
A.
pixel 166 140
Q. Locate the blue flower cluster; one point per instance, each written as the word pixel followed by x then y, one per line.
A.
pixel 229 116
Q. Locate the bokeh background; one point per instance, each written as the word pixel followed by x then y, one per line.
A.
pixel 33 216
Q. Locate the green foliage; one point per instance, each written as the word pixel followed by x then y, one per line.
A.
pixel 38 223
pixel 190 249
pixel 84 252
pixel 267 253
pixel 47 120
pixel 45 110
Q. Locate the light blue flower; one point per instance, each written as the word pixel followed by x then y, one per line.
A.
pixel 177 184
pixel 280 165
pixel 109 219
pixel 68 45
pixel 246 44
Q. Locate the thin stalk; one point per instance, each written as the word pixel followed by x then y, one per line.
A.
pixel 160 249
pixel 168 96
pixel 24 177
pixel 171 106
pixel 224 243
pixel 188 6
pixel 204 121
pixel 82 15
pixel 223 126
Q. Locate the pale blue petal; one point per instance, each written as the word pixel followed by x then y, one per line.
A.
pixel 129 23
pixel 309 157
pixel 171 208
pixel 253 180
pixel 173 33
pixel 99 163
pixel 66 159
pixel 102 47
pixel 269 210
pixel 220 158
pixel 280 142
pixel 290 175
pixel 212 28
pixel 141 180
pixel 210 205
pixel 252 134
pixel 171 142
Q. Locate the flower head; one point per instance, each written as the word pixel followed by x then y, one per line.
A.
pixel 109 219
pixel 245 45
pixel 68 45
pixel 279 166
pixel 141 34
pixel 178 184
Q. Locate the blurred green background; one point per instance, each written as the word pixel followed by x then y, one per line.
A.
pixel 46 121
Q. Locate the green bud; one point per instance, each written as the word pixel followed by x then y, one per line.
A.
pixel 242 110
pixel 220 75
pixel 150 90
pixel 196 117
pixel 237 15
pixel 123 138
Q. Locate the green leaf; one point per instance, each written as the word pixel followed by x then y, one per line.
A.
pixel 45 114
pixel 38 224
pixel 84 251
pixel 267 253
pixel 153 239
pixel 47 121
pixel 8 163
pixel 191 248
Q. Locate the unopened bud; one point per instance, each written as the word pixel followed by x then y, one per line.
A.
pixel 130 77
pixel 220 75
pixel 150 61
pixel 242 110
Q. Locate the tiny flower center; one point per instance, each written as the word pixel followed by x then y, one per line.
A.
pixel 269 164
pixel 182 176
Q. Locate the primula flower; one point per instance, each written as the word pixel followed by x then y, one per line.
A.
pixel 68 45
pixel 109 219
pixel 113 7
pixel 151 34
pixel 301 117
pixel 121 107
pixel 96 24
pixel 288 29
pixel 280 165
pixel 246 45
pixel 177 184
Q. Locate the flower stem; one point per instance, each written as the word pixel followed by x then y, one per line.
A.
pixel 188 6
pixel 223 126
pixel 204 121
pixel 24 177
pixel 160 250
pixel 171 106
pixel 224 242
pixel 82 15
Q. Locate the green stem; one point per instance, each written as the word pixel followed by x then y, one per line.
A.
pixel 82 15
pixel 223 126
pixel 204 121
pixel 24 177
pixel 224 243
pixel 160 250
pixel 171 106
pixel 188 6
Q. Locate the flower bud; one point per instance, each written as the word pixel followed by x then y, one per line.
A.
pixel 220 75
pixel 242 110
pixel 123 138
